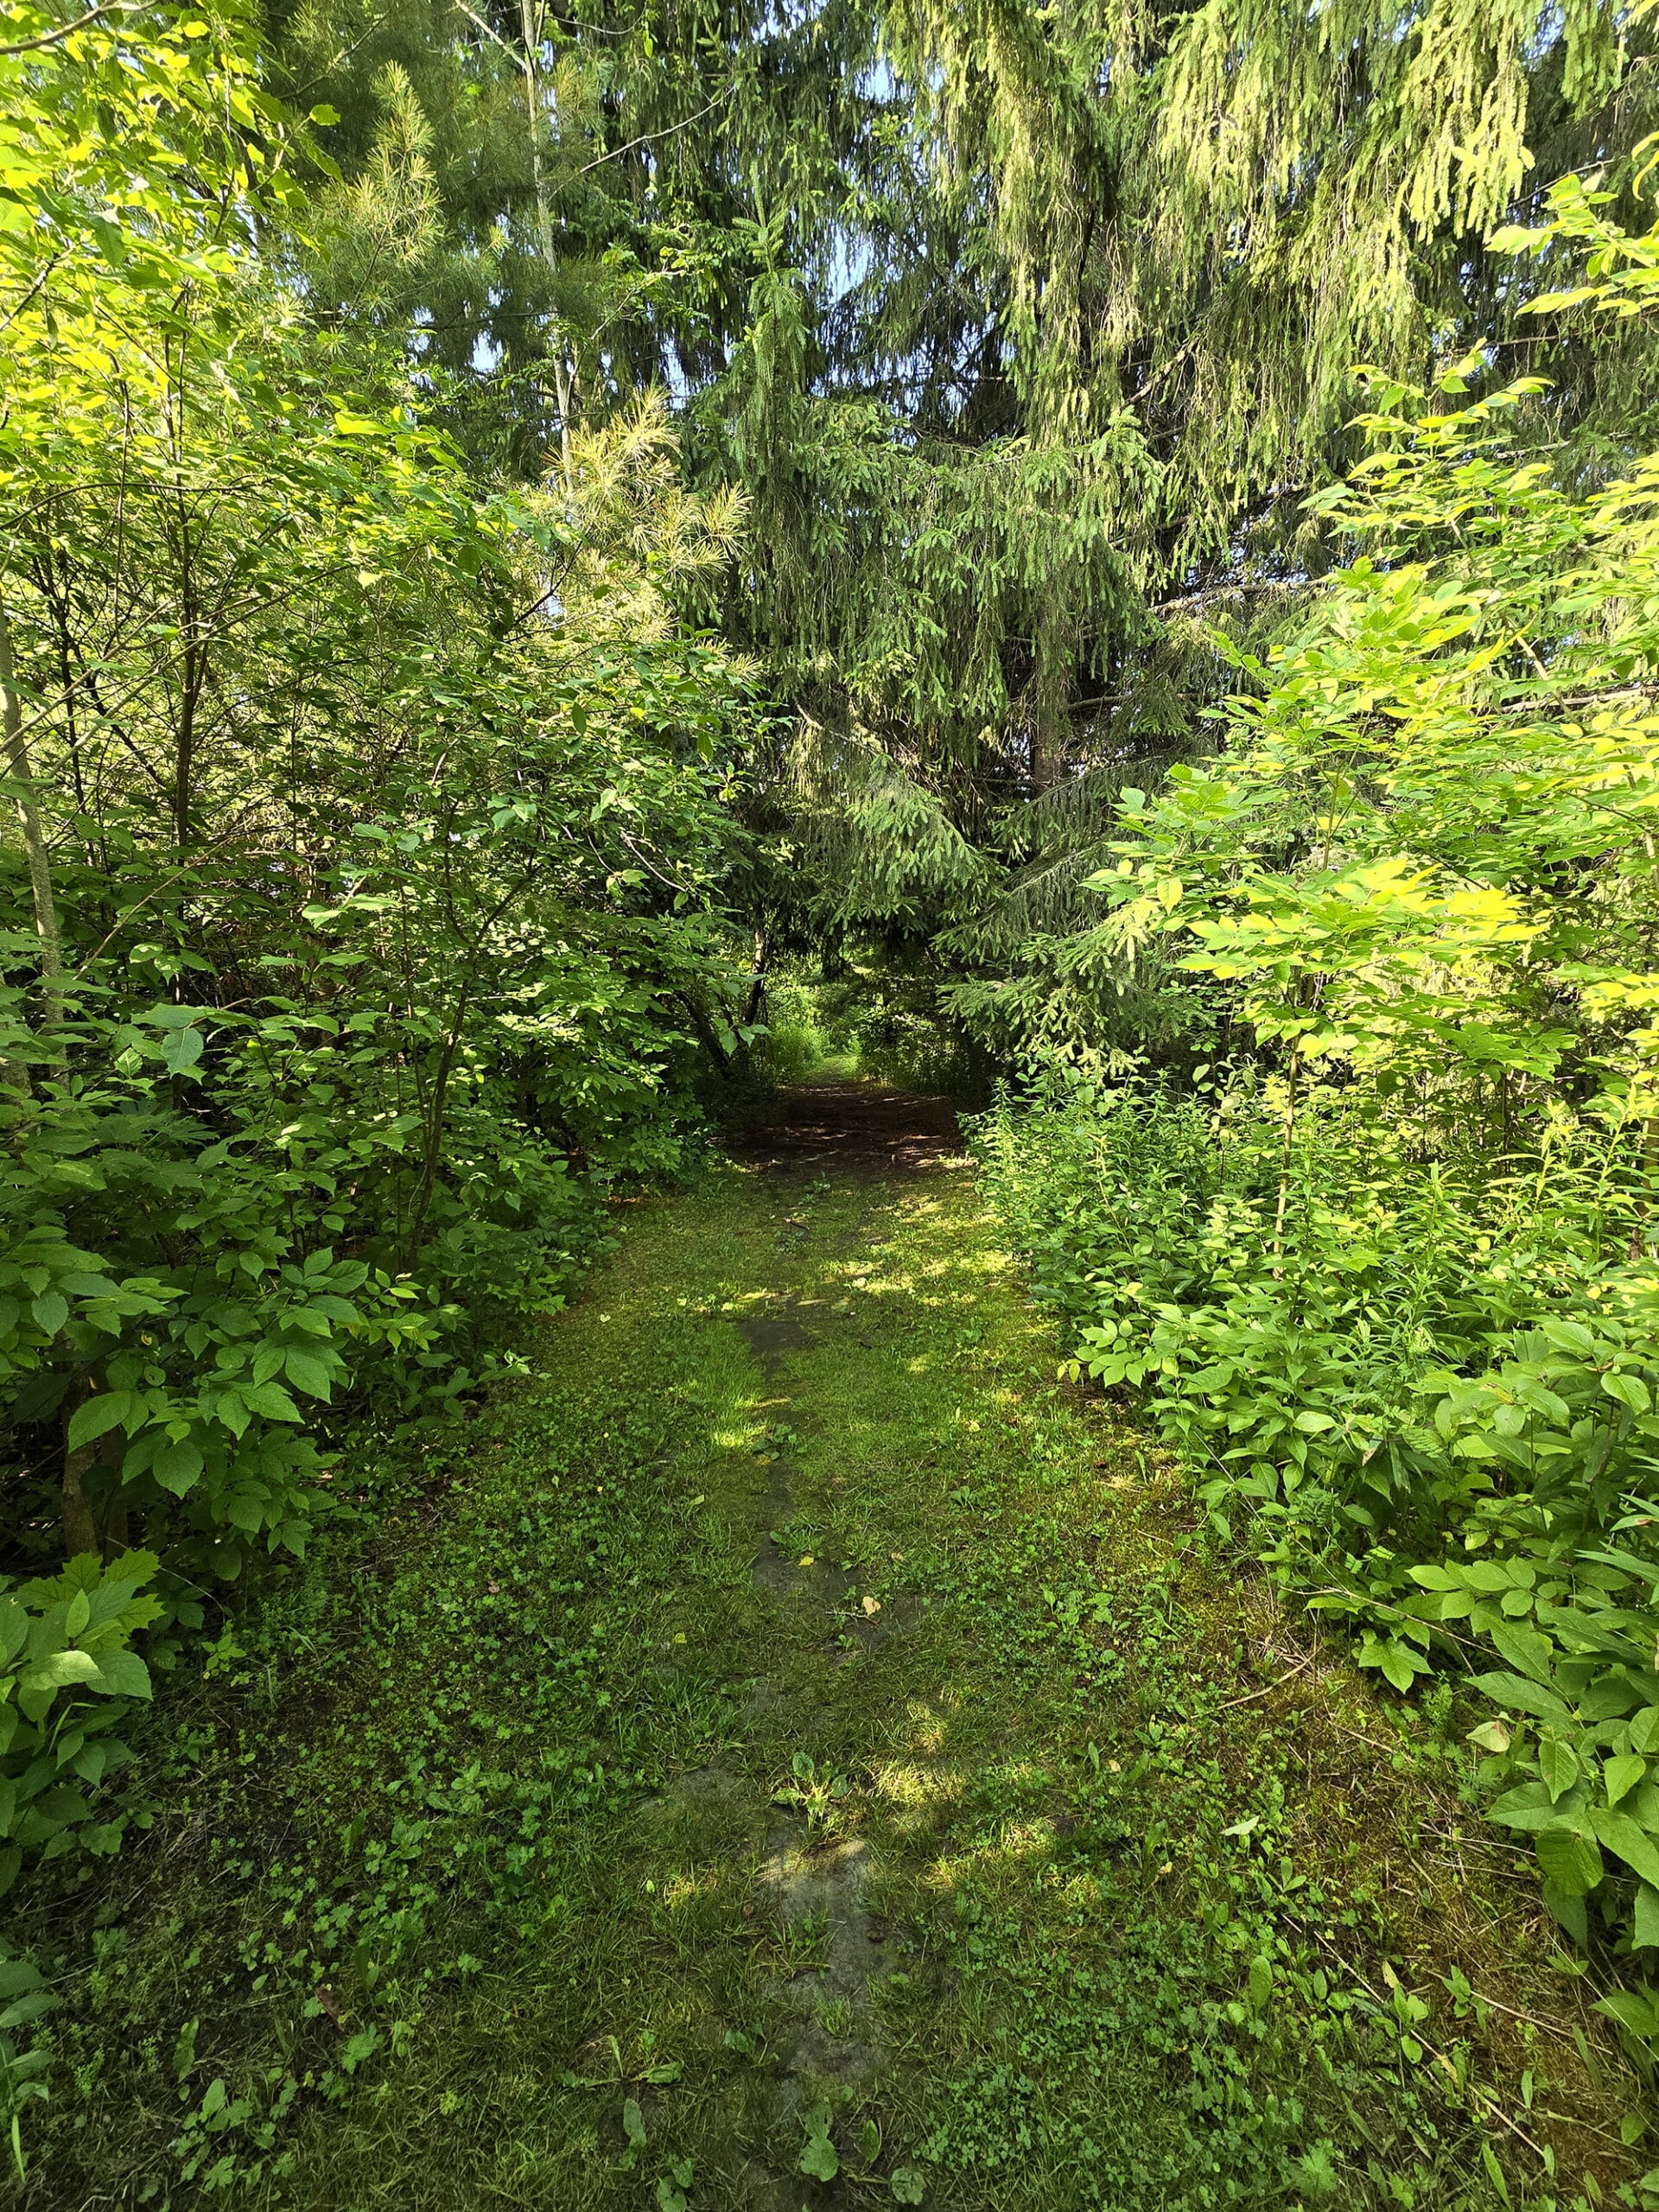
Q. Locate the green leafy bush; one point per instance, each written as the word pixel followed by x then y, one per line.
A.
pixel 23 1999
pixel 348 962
pixel 71 1677
pixel 1427 1402
pixel 1391 1281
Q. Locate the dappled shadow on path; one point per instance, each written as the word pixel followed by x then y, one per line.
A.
pixel 852 1128
pixel 815 1884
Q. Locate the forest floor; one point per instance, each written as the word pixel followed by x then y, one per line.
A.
pixel 788 1750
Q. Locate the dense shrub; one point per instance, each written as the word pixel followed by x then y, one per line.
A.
pixel 365 930
pixel 1425 1397
pixel 1391 1282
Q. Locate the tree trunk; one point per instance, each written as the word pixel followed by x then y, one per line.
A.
pixel 707 1034
pixel 564 368
pixel 1284 1161
pixel 20 770
pixel 115 1528
pixel 1053 650
pixel 758 978
pixel 79 1529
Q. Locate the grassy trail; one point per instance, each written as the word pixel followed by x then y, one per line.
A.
pixel 786 1752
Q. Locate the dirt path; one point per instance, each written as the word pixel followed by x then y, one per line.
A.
pixel 790 1752
pixel 849 1127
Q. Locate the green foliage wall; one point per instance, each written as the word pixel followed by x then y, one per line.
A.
pixel 1026 335
pixel 364 876
pixel 1383 1264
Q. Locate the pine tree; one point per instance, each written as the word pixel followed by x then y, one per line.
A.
pixel 1026 333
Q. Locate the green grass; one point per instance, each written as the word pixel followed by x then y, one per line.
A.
pixel 790 1727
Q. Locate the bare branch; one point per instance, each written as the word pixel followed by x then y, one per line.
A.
pixel 50 38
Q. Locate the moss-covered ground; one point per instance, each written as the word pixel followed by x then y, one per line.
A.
pixel 789 1750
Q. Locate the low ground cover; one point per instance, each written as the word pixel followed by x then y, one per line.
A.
pixel 790 1750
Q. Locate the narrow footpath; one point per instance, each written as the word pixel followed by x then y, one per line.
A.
pixel 790 1751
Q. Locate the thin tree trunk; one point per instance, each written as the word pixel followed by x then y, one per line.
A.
pixel 79 1529
pixel 758 978
pixel 564 385
pixel 1291 1089
pixel 111 1450
pixel 184 761
pixel 20 770
pixel 564 374
pixel 707 1034
pixel 433 1137
pixel 116 1539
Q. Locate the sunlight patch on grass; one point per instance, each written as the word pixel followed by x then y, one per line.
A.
pixel 679 1890
pixel 910 1784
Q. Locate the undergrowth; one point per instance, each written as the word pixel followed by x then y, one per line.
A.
pixel 457 1890
pixel 1422 1396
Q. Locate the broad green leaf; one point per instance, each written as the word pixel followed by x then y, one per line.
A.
pixel 1620 1834
pixel 1520 1695
pixel 1400 1664
pixel 818 2158
pixel 1569 1859
pixel 1629 1389
pixel 272 1402
pixel 124 1673
pixel 308 1373
pixel 61 1671
pixel 97 1415
pixel 1621 1775
pixel 1529 1806
pixel 1571 1337
pixel 181 1051
pixel 1559 1765
pixel 1526 1651
pixel 177 1466
pixel 1632 2011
